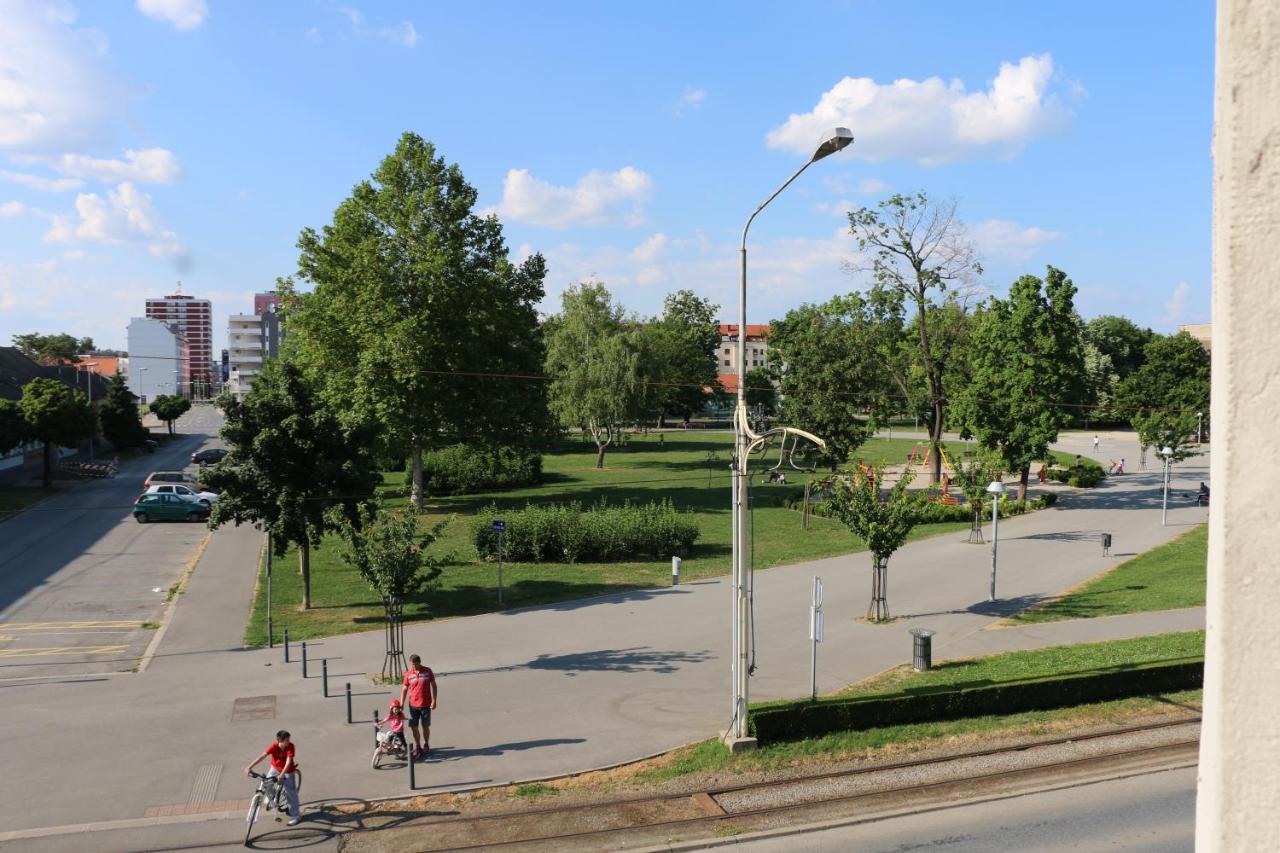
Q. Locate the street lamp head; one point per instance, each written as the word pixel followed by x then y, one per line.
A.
pixel 1166 451
pixel 835 139
pixel 996 488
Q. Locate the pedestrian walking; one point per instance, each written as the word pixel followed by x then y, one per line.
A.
pixel 419 689
pixel 1095 442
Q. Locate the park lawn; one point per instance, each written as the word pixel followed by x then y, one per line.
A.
pixel 689 467
pixel 14 499
pixel 1169 577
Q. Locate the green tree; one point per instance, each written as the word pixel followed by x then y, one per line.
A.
pixel 390 553
pixel 55 415
pixel 294 470
pixel 972 478
pixel 1161 398
pixel 762 397
pixel 170 407
pixel 678 356
pixel 418 320
pixel 1028 370
pixel 119 415
pixel 593 365
pixel 914 248
pixel 883 522
pixel 1121 340
pixel 60 348
pixel 13 427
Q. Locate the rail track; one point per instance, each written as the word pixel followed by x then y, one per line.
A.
pixel 667 819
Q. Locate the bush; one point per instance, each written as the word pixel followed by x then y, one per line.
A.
pixel 463 469
pixel 805 719
pixel 1085 475
pixel 935 512
pixel 566 532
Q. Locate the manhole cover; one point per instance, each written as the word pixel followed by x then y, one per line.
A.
pixel 253 708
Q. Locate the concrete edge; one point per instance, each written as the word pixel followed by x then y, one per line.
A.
pixel 105 825
pixel 167 619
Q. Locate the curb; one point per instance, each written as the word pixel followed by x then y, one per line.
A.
pixel 167 619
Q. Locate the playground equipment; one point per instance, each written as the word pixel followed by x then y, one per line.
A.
pixel 928 455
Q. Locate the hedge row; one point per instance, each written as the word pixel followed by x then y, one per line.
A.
pixel 461 469
pixel 933 511
pixel 567 532
pixel 1084 475
pixel 804 719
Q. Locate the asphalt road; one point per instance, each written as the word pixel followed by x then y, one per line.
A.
pixel 82 585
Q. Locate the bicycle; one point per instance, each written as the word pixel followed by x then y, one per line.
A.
pixel 271 793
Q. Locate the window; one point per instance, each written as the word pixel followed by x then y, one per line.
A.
pixel 726 362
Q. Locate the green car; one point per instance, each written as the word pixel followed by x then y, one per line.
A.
pixel 157 507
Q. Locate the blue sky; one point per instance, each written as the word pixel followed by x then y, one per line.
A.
pixel 147 142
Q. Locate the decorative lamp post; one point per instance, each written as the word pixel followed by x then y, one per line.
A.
pixel 736 736
pixel 1167 453
pixel 996 490
pixel 1199 427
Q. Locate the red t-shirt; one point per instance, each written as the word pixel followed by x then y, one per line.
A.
pixel 419 682
pixel 279 754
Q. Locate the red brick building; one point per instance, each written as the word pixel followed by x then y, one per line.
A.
pixel 193 318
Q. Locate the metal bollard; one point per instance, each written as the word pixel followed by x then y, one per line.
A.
pixel 304 658
pixel 922 649
pixel 375 728
pixel 324 675
pixel 348 703
pixel 286 645
pixel 1106 544
pixel 675 571
pixel 413 783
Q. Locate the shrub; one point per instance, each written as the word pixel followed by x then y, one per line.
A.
pixel 1085 475
pixel 463 469
pixel 935 512
pixel 566 532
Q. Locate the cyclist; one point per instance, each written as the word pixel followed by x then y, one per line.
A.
pixel 284 763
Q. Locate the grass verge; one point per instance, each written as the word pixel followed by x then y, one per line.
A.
pixel 14 499
pixel 1169 577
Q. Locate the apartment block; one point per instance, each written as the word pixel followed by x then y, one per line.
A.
pixel 193 319
pixel 757 352
pixel 159 361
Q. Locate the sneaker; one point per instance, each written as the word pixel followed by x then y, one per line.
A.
pixel 417 753
pixel 293 821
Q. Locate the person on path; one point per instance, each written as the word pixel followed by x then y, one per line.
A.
pixel 419 689
pixel 284 763
pixel 1095 442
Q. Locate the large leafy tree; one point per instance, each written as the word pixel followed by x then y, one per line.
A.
pixel 119 415
pixel 678 356
pixel 593 365
pixel 55 415
pixel 13 426
pixel 830 362
pixel 1161 398
pixel 170 407
pixel 762 397
pixel 418 320
pixel 60 348
pixel 1028 371
pixel 295 469
pixel 1121 340
pixel 881 520
pixel 917 248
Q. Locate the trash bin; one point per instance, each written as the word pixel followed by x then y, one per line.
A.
pixel 1106 544
pixel 922 649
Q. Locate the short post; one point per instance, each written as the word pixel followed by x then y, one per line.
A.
pixel 675 571
pixel 375 728
pixel 500 526
pixel 324 675
pixel 816 627
pixel 304 658
pixel 1106 544
pixel 413 783
pixel 348 703
pixel 922 649
pixel 271 635
pixel 286 645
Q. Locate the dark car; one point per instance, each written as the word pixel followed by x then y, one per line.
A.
pixel 209 455
pixel 156 507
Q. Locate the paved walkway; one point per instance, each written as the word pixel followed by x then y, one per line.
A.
pixel 545 690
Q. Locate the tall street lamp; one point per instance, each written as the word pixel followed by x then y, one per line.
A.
pixel 1167 453
pixel 1199 428
pixel 95 419
pixel 142 384
pixel 736 736
pixel 996 490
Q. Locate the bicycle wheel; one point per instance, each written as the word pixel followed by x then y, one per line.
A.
pixel 254 805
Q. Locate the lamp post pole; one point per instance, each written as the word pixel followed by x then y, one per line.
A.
pixel 1199 427
pixel 89 383
pixel 1167 453
pixel 736 737
pixel 995 489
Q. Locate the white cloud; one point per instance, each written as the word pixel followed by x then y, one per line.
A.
pixel 932 121
pixel 597 198
pixel 183 14
pixel 148 166
pixel 1006 239
pixel 691 100
pixel 12 209
pixel 44 185
pixel 124 216
pixel 404 33
pixel 1175 310
pixel 57 92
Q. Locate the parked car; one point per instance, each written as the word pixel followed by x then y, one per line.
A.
pixel 169 477
pixel 183 491
pixel 150 445
pixel 209 455
pixel 157 507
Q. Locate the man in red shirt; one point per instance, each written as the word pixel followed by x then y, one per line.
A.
pixel 284 764
pixel 420 688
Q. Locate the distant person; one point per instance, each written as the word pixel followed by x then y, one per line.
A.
pixel 420 690
pixel 1202 499
pixel 284 764
pixel 1120 467
pixel 1095 442
pixel 1042 473
pixel 1078 462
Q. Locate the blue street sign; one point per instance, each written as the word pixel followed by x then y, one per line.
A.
pixel 499 525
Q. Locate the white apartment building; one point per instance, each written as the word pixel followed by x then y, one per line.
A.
pixel 251 340
pixel 158 359
pixel 757 352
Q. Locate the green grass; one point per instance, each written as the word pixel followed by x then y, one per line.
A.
pixel 690 468
pixel 14 499
pixel 1169 577
pixel 535 789
pixel 950 675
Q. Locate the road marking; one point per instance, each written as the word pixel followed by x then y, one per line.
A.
pixel 49 626
pixel 57 651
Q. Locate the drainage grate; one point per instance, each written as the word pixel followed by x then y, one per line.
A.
pixel 206 784
pixel 253 708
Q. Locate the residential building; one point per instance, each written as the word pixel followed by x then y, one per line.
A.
pixel 251 340
pixel 757 352
pixel 266 303
pixel 16 370
pixel 193 319
pixel 1202 332
pixel 159 359
pixel 104 365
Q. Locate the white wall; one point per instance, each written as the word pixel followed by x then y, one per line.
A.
pixel 155 353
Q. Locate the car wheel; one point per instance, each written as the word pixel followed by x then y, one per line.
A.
pixel 142 517
pixel 204 501
pixel 193 516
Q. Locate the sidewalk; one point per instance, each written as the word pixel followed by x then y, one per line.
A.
pixel 547 690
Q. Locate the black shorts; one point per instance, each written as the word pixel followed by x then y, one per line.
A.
pixel 419 714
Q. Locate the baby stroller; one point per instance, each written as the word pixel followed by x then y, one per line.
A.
pixel 389 736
